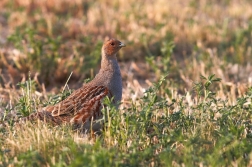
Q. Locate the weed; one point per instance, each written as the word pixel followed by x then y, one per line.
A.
pixel 28 102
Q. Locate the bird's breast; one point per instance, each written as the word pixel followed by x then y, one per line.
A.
pixel 116 87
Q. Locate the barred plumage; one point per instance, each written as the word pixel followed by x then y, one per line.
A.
pixel 85 104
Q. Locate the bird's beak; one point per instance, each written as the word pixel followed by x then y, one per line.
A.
pixel 122 44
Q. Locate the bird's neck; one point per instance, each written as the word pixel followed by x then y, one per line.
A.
pixel 109 63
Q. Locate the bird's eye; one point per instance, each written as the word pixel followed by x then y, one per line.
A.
pixel 112 43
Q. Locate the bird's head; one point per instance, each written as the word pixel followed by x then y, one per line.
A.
pixel 111 47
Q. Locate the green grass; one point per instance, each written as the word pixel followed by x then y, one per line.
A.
pixel 154 132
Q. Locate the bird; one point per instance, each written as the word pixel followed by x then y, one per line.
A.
pixel 83 107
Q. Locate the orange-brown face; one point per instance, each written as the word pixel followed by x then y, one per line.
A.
pixel 112 46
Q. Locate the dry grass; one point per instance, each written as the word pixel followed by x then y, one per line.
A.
pixel 143 25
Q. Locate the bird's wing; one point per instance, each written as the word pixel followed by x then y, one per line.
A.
pixel 82 103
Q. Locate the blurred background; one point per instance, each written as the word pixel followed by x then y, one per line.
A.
pixel 49 39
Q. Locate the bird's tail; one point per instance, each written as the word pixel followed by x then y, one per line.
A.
pixel 42 116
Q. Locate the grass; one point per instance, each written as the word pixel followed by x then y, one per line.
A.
pixel 186 75
pixel 155 132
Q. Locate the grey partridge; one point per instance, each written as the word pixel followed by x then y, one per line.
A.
pixel 85 103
